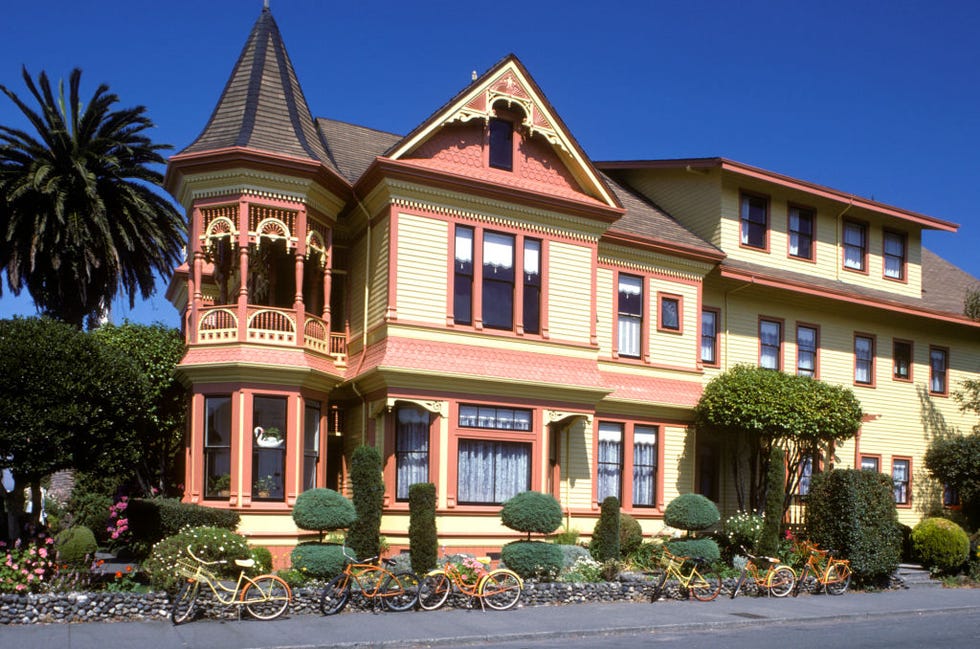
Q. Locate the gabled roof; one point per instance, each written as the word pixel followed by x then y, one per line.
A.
pixel 262 107
pixel 928 222
pixel 353 148
pixel 509 81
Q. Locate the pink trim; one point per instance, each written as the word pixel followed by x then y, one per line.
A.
pixel 661 296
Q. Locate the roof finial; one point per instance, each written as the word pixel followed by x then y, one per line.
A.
pixel 265 5
pixel 473 75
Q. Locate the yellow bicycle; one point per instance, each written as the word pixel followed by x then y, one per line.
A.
pixel 499 589
pixel 265 597
pixel 701 581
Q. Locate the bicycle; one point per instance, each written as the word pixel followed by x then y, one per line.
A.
pixel 777 579
pixel 499 589
pixel 372 579
pixel 266 597
pixel 831 573
pixel 705 585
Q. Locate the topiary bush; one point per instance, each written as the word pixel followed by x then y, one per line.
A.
pixel 208 543
pixel 323 510
pixel 772 528
pixel 422 536
pixel 703 548
pixel 76 546
pixel 532 512
pixel 941 545
pixel 153 519
pixel 318 560
pixel 533 559
pixel 853 513
pixel 91 510
pixel 368 490
pixel 630 535
pixel 691 512
pixel 605 536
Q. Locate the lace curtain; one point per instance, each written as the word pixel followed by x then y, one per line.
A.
pixel 492 472
pixel 411 449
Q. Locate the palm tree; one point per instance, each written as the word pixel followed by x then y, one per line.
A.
pixel 80 221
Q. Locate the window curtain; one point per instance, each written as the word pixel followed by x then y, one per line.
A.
pixel 937 375
pixel 853 246
pixel 492 472
pixel 900 478
pixel 894 255
pixel 862 360
pixel 806 345
pixel 769 353
pixel 412 450
pixel 610 461
pixel 644 466
pixel 630 315
pixel 708 336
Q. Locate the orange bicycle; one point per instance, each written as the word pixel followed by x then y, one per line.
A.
pixel 372 579
pixel 831 573
pixel 767 573
pixel 499 589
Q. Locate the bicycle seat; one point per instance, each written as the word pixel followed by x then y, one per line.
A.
pixel 244 563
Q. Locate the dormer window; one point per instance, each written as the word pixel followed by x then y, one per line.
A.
pixel 502 144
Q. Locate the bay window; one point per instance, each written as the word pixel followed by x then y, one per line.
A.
pixel 463 276
pixel 498 280
pixel 532 286
pixel 269 448
pixel 411 449
pixel 217 446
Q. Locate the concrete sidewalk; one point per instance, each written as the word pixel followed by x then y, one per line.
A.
pixel 453 627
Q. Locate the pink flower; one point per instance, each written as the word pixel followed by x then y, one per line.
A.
pixel 39 571
pixel 43 552
pixel 19 587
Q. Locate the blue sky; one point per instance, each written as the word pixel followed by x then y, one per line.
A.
pixel 880 99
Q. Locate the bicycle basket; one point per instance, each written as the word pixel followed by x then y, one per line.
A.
pixel 188 569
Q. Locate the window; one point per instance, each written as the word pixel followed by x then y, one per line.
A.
pixel 770 344
pixel 806 475
pixel 709 337
pixel 311 443
pixel 498 280
pixel 610 461
pixel 894 255
pixel 870 463
pixel 902 360
pixel 493 417
pixel 754 216
pixel 855 245
pixel 491 472
pixel 269 448
pixel 951 496
pixel 630 315
pixel 670 313
pixel 901 476
pixel 800 232
pixel 938 364
pixel 806 350
pixel 463 276
pixel 864 360
pixel 532 286
pixel 501 144
pixel 644 466
pixel 411 449
pixel 217 447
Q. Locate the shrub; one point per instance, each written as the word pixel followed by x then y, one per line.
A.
pixel 703 548
pixel 76 546
pixel 630 535
pixel 565 537
pixel 322 510
pixel 318 560
pixel 208 543
pixel 645 557
pixel 153 519
pixel 605 536
pixel 584 569
pixel 533 559
pixel 263 559
pixel 772 527
pixel 853 513
pixel 27 568
pixel 91 510
pixel 422 536
pixel 532 512
pixel 570 554
pixel 941 545
pixel 741 530
pixel 691 512
pixel 293 577
pixel 368 490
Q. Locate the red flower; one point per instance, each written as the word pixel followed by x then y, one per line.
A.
pixel 118 575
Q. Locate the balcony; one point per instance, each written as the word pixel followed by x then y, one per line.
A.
pixel 262 325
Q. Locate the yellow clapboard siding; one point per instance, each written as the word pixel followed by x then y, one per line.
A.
pixel 423 248
pixel 569 289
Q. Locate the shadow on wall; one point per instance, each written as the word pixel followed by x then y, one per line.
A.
pixel 927 493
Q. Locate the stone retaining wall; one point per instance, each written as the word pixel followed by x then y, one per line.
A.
pixel 117 607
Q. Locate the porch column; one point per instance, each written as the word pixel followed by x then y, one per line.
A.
pixel 243 270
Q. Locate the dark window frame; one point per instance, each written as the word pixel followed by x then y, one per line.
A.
pixel 810 215
pixel 751 229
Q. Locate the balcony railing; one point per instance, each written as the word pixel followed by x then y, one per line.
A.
pixel 269 326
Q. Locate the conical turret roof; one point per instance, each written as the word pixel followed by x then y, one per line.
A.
pixel 262 106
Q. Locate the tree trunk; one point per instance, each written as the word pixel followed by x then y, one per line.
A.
pixel 13 502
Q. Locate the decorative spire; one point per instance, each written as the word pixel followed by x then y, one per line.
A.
pixel 262 107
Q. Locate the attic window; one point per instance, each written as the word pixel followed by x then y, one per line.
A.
pixel 501 144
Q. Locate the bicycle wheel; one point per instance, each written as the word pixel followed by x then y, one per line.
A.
pixel 738 585
pixel 658 577
pixel 434 590
pixel 182 608
pixel 838 578
pixel 500 589
pixel 705 587
pixel 400 591
pixel 266 597
pixel 801 582
pixel 335 594
pixel 781 581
